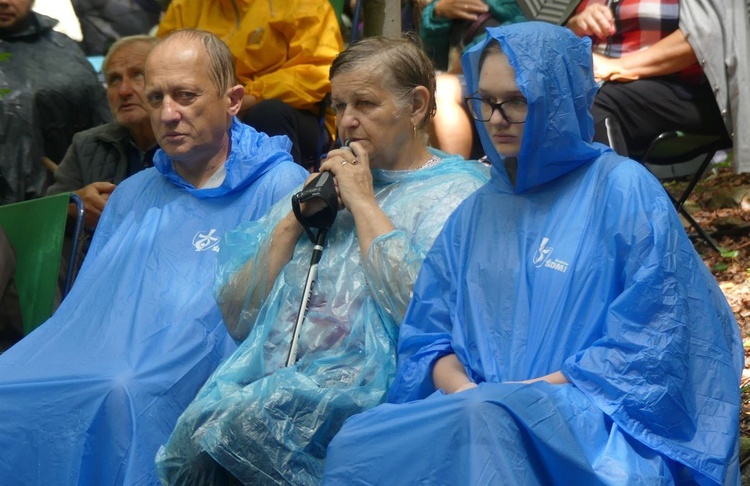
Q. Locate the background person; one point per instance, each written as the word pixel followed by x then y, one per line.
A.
pixel 447 28
pixel 97 388
pixel 563 329
pixel 103 156
pixel 48 93
pixel 676 65
pixel 258 420
pixel 282 50
pixel 104 22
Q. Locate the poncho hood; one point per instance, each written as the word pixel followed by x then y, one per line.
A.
pixel 559 127
pixel 251 155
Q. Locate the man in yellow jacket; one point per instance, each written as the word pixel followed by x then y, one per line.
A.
pixel 282 51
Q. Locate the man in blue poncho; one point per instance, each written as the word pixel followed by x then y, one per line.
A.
pixel 88 397
pixel 563 330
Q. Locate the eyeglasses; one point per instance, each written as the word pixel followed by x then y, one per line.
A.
pixel 481 109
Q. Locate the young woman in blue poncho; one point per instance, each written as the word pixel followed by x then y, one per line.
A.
pixel 257 420
pixel 563 329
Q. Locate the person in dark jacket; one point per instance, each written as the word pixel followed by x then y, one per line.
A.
pixel 101 157
pixel 48 92
pixel 104 22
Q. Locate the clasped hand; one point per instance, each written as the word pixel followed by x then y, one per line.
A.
pixel 350 167
pixel 94 197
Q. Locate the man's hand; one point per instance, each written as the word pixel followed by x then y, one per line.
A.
pixel 595 20
pixel 611 69
pixel 94 197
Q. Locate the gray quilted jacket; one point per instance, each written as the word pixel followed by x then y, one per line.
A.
pixel 98 154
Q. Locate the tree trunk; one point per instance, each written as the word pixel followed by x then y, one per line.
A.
pixel 382 17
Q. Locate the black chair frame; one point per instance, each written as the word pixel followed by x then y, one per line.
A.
pixel 676 147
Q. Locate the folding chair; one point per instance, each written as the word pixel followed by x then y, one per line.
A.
pixel 36 229
pixel 679 149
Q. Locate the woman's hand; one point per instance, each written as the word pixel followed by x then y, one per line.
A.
pixel 448 374
pixel 316 204
pixel 596 20
pixel 556 378
pixel 351 169
pixel 460 9
pixel 467 386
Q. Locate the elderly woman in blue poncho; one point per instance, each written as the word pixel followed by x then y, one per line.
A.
pixel 563 329
pixel 257 420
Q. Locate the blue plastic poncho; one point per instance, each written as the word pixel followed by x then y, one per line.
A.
pixel 583 267
pixel 90 395
pixel 264 422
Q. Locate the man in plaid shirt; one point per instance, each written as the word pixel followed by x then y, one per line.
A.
pixel 651 79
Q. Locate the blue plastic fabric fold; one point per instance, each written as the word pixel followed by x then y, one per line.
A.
pixel 90 395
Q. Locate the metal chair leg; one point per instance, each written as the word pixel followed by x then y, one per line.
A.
pixel 699 230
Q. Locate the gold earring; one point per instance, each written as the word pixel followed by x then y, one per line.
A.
pixel 414 127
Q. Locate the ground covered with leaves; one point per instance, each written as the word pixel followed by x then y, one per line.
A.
pixel 720 203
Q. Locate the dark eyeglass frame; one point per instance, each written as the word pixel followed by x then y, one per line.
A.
pixel 494 106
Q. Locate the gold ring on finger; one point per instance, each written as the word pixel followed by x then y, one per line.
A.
pixel 343 163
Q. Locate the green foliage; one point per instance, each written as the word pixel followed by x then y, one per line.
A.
pixel 727 254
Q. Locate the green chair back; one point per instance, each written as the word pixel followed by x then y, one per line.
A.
pixel 36 229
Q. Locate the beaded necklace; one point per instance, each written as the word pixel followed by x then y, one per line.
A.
pixel 430 162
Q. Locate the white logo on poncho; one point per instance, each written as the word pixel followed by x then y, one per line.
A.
pixel 206 241
pixel 541 258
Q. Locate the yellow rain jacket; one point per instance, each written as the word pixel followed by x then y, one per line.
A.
pixel 282 48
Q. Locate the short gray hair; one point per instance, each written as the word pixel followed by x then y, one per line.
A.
pixel 124 42
pixel 402 59
pixel 222 72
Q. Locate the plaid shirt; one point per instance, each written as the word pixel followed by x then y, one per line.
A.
pixel 640 24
